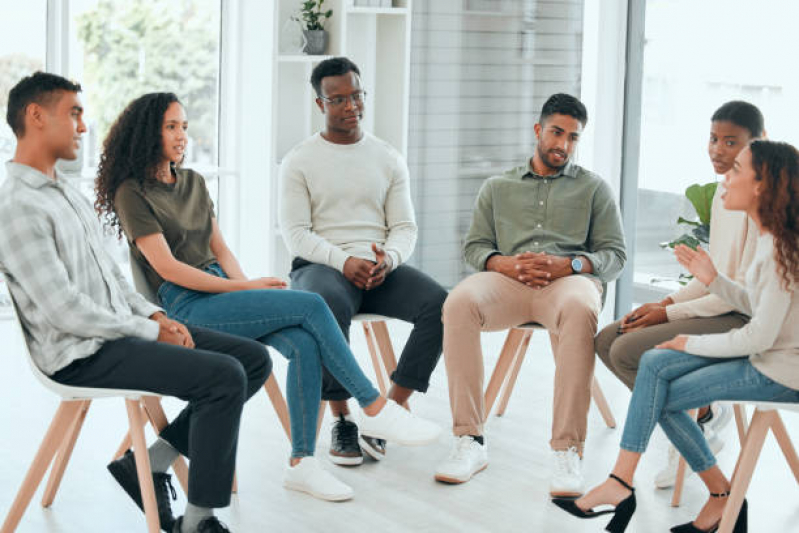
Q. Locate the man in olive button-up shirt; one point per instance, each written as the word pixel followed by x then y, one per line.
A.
pixel 545 237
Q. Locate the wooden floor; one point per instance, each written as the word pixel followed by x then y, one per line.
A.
pixel 397 494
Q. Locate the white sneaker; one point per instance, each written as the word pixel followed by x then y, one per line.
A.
pixel 567 476
pixel 667 477
pixel 394 423
pixel 467 458
pixel 309 476
pixel 722 414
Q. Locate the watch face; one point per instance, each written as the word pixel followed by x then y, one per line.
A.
pixel 577 265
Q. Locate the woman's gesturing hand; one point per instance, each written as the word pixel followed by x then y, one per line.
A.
pixel 697 262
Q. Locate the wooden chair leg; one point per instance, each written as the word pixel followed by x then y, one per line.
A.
pixel 781 434
pixel 681 471
pixel 383 339
pixel 377 360
pixel 235 489
pixel 279 403
pixel 143 465
pixel 63 455
pixel 64 417
pixel 510 383
pixel 745 467
pixel 741 421
pixel 512 343
pixel 602 404
pixel 127 441
pixel 155 414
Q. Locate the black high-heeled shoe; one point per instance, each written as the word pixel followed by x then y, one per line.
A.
pixel 740 522
pixel 621 514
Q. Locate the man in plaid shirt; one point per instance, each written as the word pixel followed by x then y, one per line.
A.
pixel 86 327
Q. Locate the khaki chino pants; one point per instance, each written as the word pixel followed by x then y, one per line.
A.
pixel 489 301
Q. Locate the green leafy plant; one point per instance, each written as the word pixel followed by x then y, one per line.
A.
pixel 313 18
pixel 701 197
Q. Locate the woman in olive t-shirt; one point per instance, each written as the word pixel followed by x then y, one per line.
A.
pixel 168 218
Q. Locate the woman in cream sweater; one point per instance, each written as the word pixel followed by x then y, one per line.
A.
pixel 759 361
pixel 694 309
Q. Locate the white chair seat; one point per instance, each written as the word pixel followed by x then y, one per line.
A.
pixel 70 393
pixel 771 406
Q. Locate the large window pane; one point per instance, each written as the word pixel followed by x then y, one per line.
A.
pixel 121 49
pixel 480 72
pixel 684 83
pixel 23 45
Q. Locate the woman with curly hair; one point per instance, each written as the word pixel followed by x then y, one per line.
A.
pixel 759 361
pixel 168 218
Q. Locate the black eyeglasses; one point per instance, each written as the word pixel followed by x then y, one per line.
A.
pixel 356 98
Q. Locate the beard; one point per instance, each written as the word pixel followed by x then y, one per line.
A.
pixel 548 160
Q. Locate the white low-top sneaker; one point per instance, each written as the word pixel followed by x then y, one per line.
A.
pixel 667 477
pixel 309 476
pixel 467 458
pixel 567 475
pixel 396 424
pixel 720 416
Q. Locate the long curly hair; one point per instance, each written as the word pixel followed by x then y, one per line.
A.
pixel 776 164
pixel 132 150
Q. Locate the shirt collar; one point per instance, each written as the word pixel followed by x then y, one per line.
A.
pixel 568 170
pixel 30 176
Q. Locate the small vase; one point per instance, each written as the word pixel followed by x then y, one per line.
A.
pixel 316 42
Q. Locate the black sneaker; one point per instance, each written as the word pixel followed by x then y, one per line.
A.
pixel 344 447
pixel 374 448
pixel 124 471
pixel 209 525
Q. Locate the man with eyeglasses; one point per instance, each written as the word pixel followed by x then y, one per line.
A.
pixel 347 218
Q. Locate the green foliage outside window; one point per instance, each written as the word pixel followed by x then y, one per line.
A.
pixel 137 46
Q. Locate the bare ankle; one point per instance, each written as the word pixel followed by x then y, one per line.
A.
pixel 375 407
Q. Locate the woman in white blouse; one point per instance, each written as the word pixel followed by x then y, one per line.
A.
pixel 759 361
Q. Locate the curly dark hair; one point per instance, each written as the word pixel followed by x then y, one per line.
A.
pixel 776 164
pixel 132 150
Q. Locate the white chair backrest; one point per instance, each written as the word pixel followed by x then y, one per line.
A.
pixel 66 392
pixel 140 280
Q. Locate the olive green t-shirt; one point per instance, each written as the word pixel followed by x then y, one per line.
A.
pixel 181 211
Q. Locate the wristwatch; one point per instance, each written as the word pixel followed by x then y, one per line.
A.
pixel 577 265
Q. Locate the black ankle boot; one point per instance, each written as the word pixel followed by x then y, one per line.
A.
pixel 621 514
pixel 740 522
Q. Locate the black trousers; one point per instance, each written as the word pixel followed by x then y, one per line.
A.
pixel 216 378
pixel 406 294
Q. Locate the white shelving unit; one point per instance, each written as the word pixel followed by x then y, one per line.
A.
pixel 378 40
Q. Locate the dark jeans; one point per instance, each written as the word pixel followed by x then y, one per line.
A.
pixel 216 378
pixel 406 294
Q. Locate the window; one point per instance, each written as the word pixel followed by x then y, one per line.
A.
pixel 683 84
pixel 480 72
pixel 23 45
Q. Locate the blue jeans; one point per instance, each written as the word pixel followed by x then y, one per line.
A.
pixel 297 324
pixel 670 382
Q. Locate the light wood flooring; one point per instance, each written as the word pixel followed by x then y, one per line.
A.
pixel 397 494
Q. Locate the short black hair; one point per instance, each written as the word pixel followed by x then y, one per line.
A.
pixel 742 114
pixel 564 104
pixel 38 88
pixel 335 66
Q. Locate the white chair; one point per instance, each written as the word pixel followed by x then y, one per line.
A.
pixel 766 417
pixel 507 369
pixel 60 439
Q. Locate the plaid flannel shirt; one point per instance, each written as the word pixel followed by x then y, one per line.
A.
pixel 70 294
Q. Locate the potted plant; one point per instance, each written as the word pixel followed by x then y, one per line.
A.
pixel 313 20
pixel 701 197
